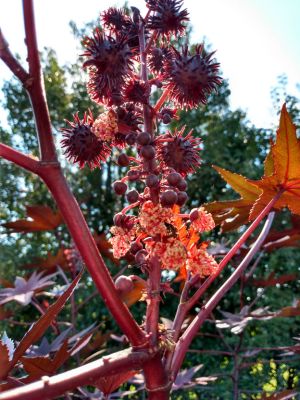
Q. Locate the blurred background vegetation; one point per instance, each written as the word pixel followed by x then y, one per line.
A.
pixel 229 141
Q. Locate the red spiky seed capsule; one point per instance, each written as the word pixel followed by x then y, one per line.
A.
pixel 174 178
pixel 119 188
pixel 194 214
pixel 123 160
pixel 147 152
pixel 168 198
pixel 143 138
pixel 123 284
pixel 132 196
pixel 135 247
pixel 182 198
pixel 152 180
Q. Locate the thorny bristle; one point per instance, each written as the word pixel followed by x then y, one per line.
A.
pixel 136 91
pixel 110 62
pixel 167 18
pixel 179 152
pixel 81 145
pixel 191 77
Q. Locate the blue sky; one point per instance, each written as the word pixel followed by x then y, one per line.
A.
pixel 256 40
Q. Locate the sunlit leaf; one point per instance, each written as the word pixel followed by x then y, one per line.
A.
pixel 40 218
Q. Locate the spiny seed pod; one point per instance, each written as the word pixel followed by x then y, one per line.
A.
pixel 132 196
pixel 168 198
pixel 191 77
pixel 174 178
pixel 179 152
pixel 123 160
pixel 182 198
pixel 141 256
pixel 136 91
pixel 135 247
pixel 119 187
pixel 147 152
pixel 115 19
pixel 124 284
pixel 182 185
pixel 133 175
pixel 152 180
pixel 194 214
pixel 129 117
pixel 81 145
pixel 143 138
pixel 130 139
pixel 157 58
pixel 167 18
pixel 110 62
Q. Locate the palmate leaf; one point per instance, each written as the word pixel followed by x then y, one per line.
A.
pixel 38 329
pixel 41 218
pixel 282 174
pixel 23 289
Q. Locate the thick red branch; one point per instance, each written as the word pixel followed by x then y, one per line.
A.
pixel 153 301
pixel 186 339
pixel 36 89
pixel 51 387
pixel 18 158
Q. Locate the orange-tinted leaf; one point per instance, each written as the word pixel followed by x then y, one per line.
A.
pixel 42 218
pixel 105 247
pixel 286 170
pixel 291 311
pixel 50 263
pixel 282 172
pixel 38 329
pixel 234 213
pixel 107 384
pixel 4 357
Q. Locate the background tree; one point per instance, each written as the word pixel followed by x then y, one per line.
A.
pixel 229 141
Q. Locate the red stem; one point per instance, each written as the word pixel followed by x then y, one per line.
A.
pixel 18 158
pixel 51 387
pixel 12 63
pixel 152 315
pixel 186 339
pixel 36 89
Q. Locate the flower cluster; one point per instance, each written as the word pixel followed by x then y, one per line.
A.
pixel 119 57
